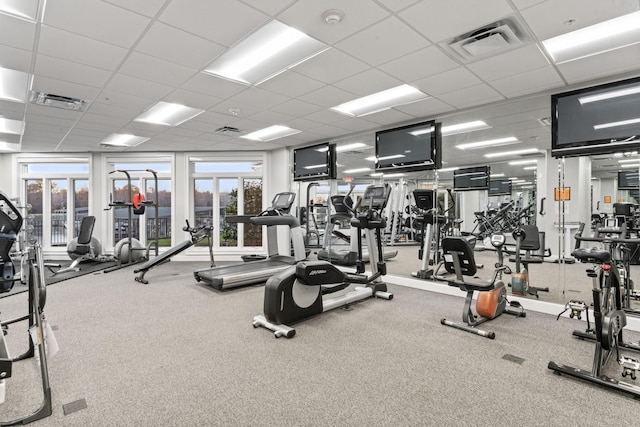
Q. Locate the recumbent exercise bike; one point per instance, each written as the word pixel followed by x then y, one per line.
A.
pixel 297 293
pixel 492 299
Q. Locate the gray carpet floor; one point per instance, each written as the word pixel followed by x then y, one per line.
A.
pixel 177 353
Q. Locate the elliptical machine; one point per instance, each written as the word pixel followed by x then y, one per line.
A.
pixel 492 299
pixel 297 292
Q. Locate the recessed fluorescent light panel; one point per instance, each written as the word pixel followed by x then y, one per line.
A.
pixel 511 153
pixel 380 101
pixel 352 146
pixel 630 165
pixel 168 114
pixel 25 9
pixel 14 127
pixel 13 85
pixel 523 162
pixel 123 140
pixel 496 175
pixel 464 127
pixel 487 143
pixel 270 133
pixel 266 53
pixel 455 168
pixel 602 37
pixel 628 160
pixel 357 170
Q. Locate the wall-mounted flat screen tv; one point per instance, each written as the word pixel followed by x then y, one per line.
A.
pixel 468 179
pixel 314 162
pixel 628 180
pixel 413 147
pixel 499 187
pixel 597 120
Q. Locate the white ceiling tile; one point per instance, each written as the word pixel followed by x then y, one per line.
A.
pixel 306 16
pixel 386 117
pixel 63 88
pixel 368 82
pixel 269 7
pixel 156 70
pixel 212 19
pixel 141 87
pixel 147 7
pixel 325 117
pixel 355 125
pixel 70 71
pixel 303 124
pixel 426 108
pixel 549 19
pixel 96 19
pixel 383 42
pixel 291 84
pixel 90 119
pixel 271 118
pixel 123 100
pixel 295 107
pixel 510 63
pixel 258 98
pixel 114 111
pixel 328 96
pixel 72 47
pixel 322 67
pixel 15 59
pixel 171 44
pixel 447 81
pixel 440 20
pixel 16 32
pixel 528 82
pixel 206 83
pixel 193 99
pixel 417 65
pixel 597 66
pixel 524 4
pixel 470 96
pixel 396 5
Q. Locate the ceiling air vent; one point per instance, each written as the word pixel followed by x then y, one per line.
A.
pixel 227 130
pixel 545 121
pixel 491 39
pixel 58 101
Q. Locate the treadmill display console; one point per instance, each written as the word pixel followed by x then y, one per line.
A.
pixel 283 201
pixel 375 197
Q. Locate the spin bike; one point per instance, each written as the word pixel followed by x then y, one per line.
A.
pixel 297 293
pixel 609 319
pixel 492 299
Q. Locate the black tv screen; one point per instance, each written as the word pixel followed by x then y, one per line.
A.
pixel 413 147
pixel 314 162
pixel 499 187
pixel 467 179
pixel 628 180
pixel 597 120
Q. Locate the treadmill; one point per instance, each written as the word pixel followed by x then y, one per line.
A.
pixel 247 273
pixel 345 254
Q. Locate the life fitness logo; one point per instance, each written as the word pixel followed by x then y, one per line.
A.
pixel 316 272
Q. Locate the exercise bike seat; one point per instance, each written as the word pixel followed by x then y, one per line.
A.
pixel 596 255
pixel 459 260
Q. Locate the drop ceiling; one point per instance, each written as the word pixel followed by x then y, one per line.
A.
pixel 123 57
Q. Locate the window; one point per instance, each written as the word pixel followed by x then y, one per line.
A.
pixel 58 195
pixel 226 188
